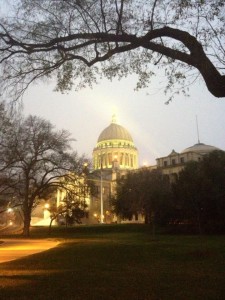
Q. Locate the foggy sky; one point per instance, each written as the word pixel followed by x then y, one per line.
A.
pixel 156 128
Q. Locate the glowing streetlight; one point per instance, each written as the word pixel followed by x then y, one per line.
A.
pixel 46 206
pixel 145 164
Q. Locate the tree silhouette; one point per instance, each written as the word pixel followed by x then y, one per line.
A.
pixel 41 157
pixel 78 42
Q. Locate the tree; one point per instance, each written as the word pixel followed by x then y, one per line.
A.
pixel 126 199
pixel 200 193
pixel 42 157
pixel 144 192
pixel 189 192
pixel 72 211
pixel 8 117
pixel 80 41
pixel 72 208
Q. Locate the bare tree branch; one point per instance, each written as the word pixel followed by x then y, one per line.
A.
pixel 62 37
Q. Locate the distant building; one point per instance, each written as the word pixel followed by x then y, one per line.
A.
pixel 175 162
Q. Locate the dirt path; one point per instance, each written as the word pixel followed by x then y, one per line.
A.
pixel 11 249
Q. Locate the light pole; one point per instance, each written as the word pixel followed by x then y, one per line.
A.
pixel 101 196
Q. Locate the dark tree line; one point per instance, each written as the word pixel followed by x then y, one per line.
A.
pixel 199 194
pixel 195 201
pixel 143 192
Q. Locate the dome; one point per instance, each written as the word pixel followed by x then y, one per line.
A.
pixel 115 132
pixel 115 149
pixel 200 148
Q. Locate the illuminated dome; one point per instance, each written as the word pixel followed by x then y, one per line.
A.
pixel 115 147
pixel 115 132
pixel 200 148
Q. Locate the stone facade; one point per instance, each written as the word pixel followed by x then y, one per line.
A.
pixel 175 162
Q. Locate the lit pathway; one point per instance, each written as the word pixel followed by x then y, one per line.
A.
pixel 11 249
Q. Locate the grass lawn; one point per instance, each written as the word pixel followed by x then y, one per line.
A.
pixel 110 262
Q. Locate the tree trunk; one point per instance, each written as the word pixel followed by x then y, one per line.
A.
pixel 50 225
pixel 147 218
pixel 26 222
pixel 153 223
pixel 197 58
pixel 26 227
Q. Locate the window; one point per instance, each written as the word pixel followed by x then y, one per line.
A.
pixel 121 159
pixel 103 160
pixel 173 162
pixel 110 158
pixel 165 163
pixel 99 162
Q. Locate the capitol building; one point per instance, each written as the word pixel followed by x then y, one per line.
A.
pixel 115 153
pixel 113 156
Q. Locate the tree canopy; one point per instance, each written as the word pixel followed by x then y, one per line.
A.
pixel 199 193
pixel 78 42
pixel 194 201
pixel 34 158
pixel 143 192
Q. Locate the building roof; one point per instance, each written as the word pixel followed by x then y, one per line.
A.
pixel 200 148
pixel 173 153
pixel 115 132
